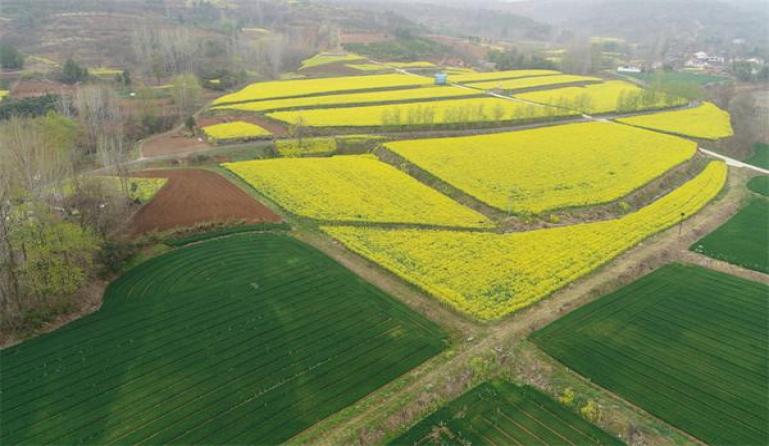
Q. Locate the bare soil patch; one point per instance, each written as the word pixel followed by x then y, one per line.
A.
pixel 171 143
pixel 193 197
pixel 34 88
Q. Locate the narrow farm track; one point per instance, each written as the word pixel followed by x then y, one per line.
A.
pixel 376 415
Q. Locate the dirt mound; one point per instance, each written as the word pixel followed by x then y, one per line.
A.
pixel 192 197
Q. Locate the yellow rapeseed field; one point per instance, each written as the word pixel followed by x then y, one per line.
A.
pixel 603 98
pixel 104 71
pixel 490 275
pixel 533 171
pixel 303 87
pixel 234 130
pixel 329 58
pixel 308 146
pixel 451 111
pixel 407 94
pixel 355 188
pixel 704 121
pixel 499 75
pixel 3 94
pixel 415 64
pixel 369 67
pixel 529 82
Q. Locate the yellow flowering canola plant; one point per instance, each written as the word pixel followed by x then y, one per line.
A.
pixel 143 189
pixel 139 189
pixel 498 75
pixel 235 130
pixel 489 275
pixel 356 188
pixel 529 82
pixel 450 111
pixel 533 171
pixel 351 98
pixel 603 98
pixel 305 87
pixel 704 121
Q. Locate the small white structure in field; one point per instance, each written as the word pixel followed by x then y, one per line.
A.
pixel 628 69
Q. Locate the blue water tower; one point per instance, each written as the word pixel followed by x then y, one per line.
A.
pixel 441 79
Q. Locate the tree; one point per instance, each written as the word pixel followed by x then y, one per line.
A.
pixel 124 78
pixel 296 130
pixel 72 72
pixel 190 123
pixel 10 58
pixel 42 256
pixel 186 92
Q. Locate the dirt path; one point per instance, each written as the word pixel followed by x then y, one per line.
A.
pixel 379 414
pixel 195 196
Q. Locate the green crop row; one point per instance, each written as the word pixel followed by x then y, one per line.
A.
pixel 244 339
pixel 743 240
pixel 498 412
pixel 683 343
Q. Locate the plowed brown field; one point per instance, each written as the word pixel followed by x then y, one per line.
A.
pixel 192 197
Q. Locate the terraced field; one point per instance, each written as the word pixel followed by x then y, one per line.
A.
pixel 489 275
pixel 602 98
pixel 305 87
pixel 426 113
pixel 329 58
pixel 356 188
pixel 530 82
pixel 684 343
pixel 704 121
pixel 555 167
pixel 391 96
pixel 244 340
pixel 500 413
pixel 469 78
pixel 235 130
pixel 743 240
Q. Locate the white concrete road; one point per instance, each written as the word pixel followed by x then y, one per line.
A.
pixel 734 162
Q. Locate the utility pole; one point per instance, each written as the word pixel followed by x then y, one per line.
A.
pixel 681 223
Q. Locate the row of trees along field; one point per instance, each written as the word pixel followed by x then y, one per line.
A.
pixel 59 227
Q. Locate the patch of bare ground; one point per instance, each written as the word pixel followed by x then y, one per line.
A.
pixel 389 411
pixel 171 143
pixel 193 197
pixel 34 88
